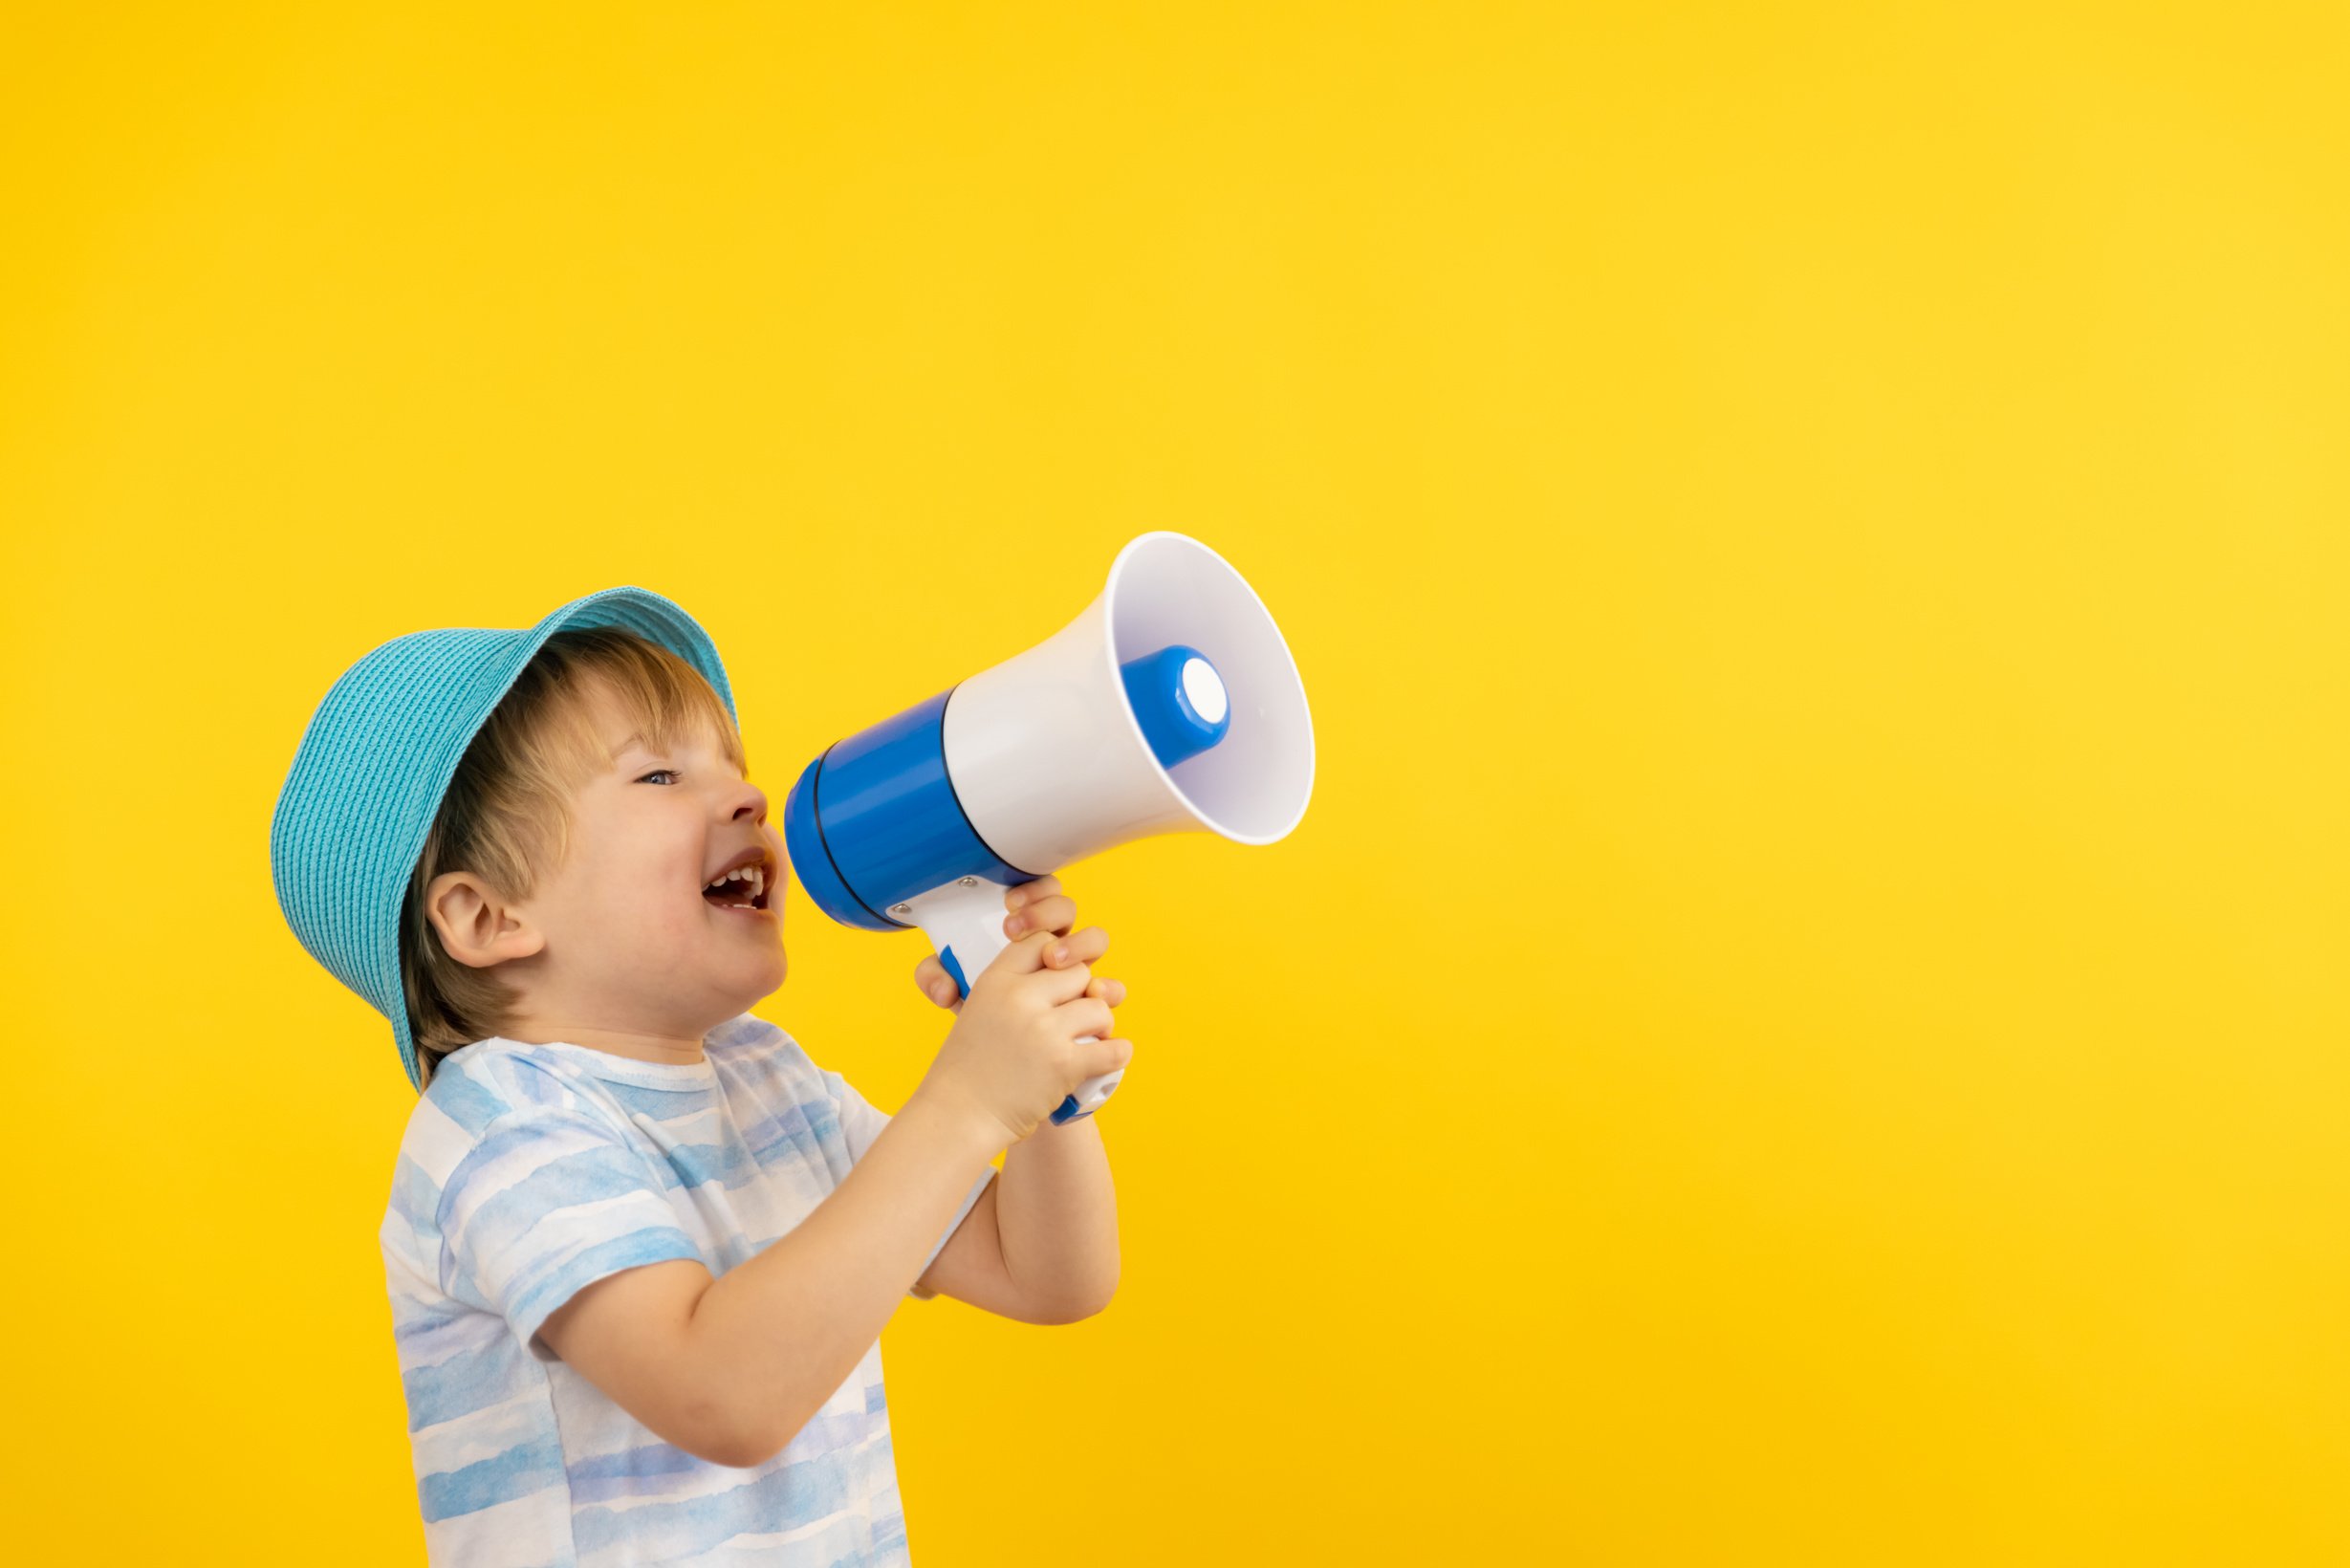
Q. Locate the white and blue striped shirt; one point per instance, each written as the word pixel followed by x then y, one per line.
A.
pixel 528 1171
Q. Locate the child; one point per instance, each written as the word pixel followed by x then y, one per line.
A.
pixel 639 1247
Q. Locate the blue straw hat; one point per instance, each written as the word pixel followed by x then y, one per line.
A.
pixel 368 776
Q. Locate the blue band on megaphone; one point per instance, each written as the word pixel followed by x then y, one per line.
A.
pixel 814 862
pixel 875 820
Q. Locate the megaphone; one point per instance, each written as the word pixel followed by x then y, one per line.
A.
pixel 1169 704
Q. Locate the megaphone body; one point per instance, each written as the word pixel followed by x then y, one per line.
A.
pixel 1169 704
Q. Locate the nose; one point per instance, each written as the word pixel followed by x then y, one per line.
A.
pixel 750 804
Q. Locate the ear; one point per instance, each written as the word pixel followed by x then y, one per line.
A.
pixel 477 927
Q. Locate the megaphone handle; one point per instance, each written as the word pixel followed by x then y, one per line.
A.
pixel 965 923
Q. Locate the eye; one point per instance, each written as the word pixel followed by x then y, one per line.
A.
pixel 659 772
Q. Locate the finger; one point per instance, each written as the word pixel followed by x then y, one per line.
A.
pixel 1112 991
pixel 1030 891
pixel 1075 1020
pixel 1108 1056
pixel 1025 955
pixel 1057 913
pixel 1051 986
pixel 1084 948
pixel 1062 986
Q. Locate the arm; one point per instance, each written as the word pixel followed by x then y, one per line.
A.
pixel 730 1369
pixel 1040 1246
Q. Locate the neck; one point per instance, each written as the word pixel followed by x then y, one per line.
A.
pixel 663 1049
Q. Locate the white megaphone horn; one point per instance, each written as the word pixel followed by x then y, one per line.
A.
pixel 1169 704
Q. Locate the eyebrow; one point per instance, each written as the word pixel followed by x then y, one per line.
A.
pixel 636 741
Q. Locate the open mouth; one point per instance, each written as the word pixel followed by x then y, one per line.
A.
pixel 743 889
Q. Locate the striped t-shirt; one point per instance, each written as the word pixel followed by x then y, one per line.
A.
pixel 528 1171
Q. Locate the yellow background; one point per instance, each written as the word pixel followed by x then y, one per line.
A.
pixel 1805 1021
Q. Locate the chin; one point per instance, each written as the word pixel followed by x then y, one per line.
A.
pixel 780 971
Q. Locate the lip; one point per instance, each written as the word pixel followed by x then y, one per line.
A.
pixel 742 909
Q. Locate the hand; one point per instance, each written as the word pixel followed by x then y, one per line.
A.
pixel 1039 906
pixel 1019 1046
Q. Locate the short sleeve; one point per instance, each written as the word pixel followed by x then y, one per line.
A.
pixel 861 1124
pixel 547 1202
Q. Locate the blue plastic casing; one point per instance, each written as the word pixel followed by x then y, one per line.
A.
pixel 875 820
pixel 1155 691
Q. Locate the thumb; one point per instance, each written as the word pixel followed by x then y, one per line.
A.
pixel 934 982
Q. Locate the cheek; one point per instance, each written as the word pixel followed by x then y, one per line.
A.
pixel 648 895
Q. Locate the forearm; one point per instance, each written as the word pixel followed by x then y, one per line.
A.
pixel 780 1332
pixel 1056 1218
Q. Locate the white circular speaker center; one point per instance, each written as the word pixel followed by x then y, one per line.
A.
pixel 1203 690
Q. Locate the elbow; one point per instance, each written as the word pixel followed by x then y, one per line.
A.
pixel 742 1447
pixel 740 1441
pixel 723 1443
pixel 735 1454
pixel 736 1450
pixel 1076 1307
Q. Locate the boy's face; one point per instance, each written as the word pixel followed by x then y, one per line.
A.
pixel 628 952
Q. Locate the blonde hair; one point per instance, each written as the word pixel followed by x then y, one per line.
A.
pixel 506 814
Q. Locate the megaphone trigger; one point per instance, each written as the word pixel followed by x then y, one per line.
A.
pixel 954 972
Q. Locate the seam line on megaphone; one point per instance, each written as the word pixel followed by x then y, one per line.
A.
pixel 816 813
